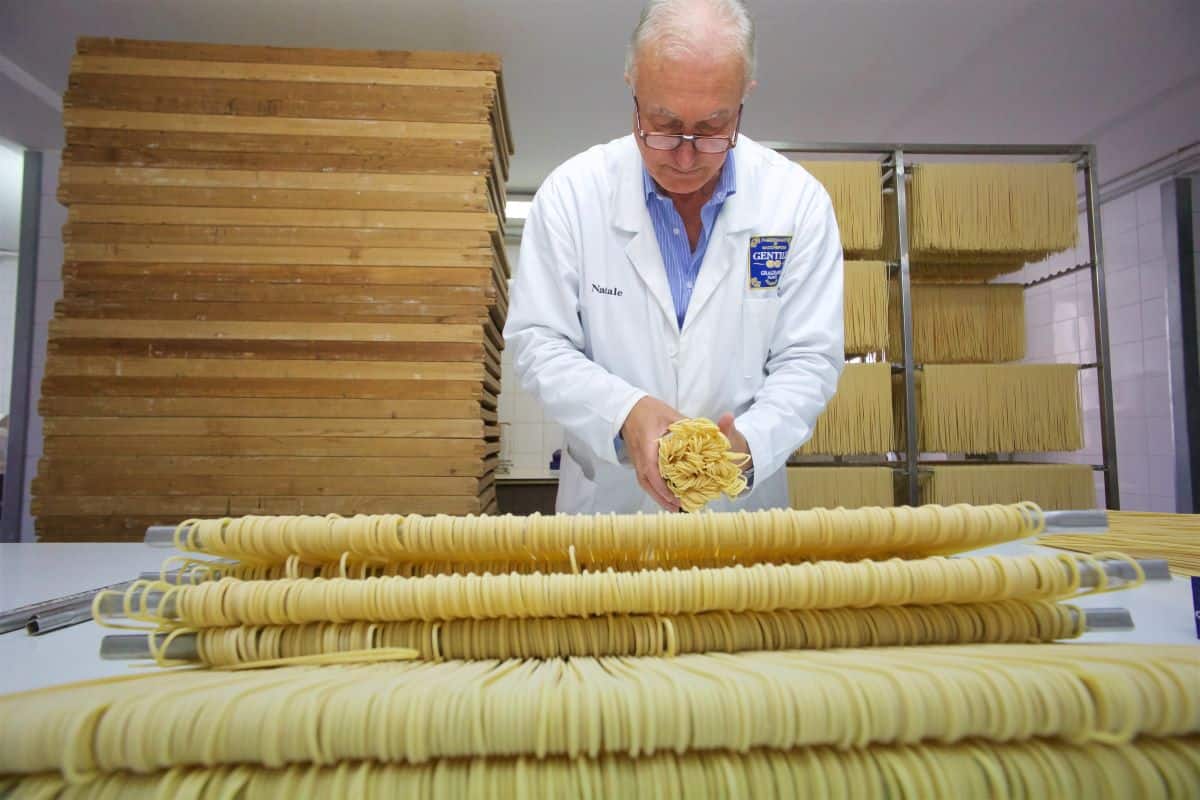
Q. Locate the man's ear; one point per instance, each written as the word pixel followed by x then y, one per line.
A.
pixel 749 88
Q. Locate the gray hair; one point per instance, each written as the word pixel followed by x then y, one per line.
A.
pixel 669 22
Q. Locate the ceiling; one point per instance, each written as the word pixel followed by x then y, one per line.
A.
pixel 1121 73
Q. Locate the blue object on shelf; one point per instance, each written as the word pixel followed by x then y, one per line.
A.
pixel 1196 604
pixel 556 460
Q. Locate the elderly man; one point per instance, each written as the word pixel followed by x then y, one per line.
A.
pixel 681 271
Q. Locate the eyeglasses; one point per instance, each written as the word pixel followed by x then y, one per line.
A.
pixel 704 144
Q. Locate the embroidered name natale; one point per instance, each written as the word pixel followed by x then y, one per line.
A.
pixel 598 289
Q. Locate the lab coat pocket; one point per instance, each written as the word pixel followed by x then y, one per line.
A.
pixel 759 315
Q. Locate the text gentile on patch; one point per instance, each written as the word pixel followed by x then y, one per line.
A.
pixel 767 255
pixel 612 291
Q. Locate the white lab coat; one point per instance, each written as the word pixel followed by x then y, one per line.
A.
pixel 592 327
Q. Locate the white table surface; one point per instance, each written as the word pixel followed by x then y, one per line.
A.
pixel 1162 612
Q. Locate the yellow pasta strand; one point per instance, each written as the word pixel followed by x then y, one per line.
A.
pixel 696 462
pixel 854 189
pixel 602 540
pixel 1026 209
pixel 1148 769
pixel 414 712
pixel 858 419
pixel 1175 537
pixel 963 324
pixel 763 587
pixel 652 635
pixel 1052 486
pixel 812 486
pixel 997 408
pixel 866 307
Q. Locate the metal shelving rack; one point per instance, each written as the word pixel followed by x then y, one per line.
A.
pixel 896 168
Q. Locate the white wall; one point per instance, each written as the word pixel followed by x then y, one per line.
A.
pixel 1059 327
pixel 49 290
pixel 11 170
pixel 528 437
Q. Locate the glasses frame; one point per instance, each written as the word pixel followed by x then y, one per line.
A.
pixel 730 140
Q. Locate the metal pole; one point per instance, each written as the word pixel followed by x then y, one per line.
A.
pixel 1108 429
pixel 22 365
pixel 156 602
pixel 910 375
pixel 134 647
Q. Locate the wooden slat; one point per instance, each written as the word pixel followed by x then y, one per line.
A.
pixel 136 307
pixel 197 51
pixel 307 274
pixel 274 331
pixel 99 483
pixel 439 152
pixel 195 426
pixel 260 98
pixel 182 289
pixel 229 178
pixel 270 198
pixel 145 151
pixel 265 408
pixel 99 444
pixel 433 258
pixel 180 508
pixel 304 73
pixel 127 386
pixel 129 465
pixel 318 218
pixel 274 126
pixel 175 368
pixel 249 351
pixel 75 231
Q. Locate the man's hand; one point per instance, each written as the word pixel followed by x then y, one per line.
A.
pixel 737 442
pixel 645 425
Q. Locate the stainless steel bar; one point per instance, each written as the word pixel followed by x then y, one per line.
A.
pixel 883 149
pixel 906 326
pixel 17 618
pixel 1108 428
pixel 1108 620
pixel 48 621
pixel 1086 521
pixel 160 536
pixel 114 605
pixel 129 647
pixel 136 647
pixel 1155 570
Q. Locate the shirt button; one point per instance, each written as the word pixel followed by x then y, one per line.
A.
pixel 675 231
pixel 689 284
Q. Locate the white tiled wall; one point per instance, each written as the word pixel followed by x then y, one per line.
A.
pixel 49 290
pixel 1059 327
pixel 528 438
pixel 8 309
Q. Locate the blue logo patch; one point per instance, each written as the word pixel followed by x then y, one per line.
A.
pixel 767 254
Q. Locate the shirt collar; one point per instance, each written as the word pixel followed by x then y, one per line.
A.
pixel 726 183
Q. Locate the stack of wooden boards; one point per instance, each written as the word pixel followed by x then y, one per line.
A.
pixel 737 688
pixel 284 286
pixel 967 224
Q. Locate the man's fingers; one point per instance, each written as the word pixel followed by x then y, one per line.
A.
pixel 656 495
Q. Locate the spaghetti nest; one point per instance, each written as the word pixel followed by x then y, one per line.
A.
pixel 697 465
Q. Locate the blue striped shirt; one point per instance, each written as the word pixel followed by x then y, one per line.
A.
pixel 683 263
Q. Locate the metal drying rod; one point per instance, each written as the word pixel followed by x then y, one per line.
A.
pixel 1081 521
pixel 59 612
pixel 113 606
pixel 133 647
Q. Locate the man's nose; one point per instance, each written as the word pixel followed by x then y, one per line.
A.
pixel 685 154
